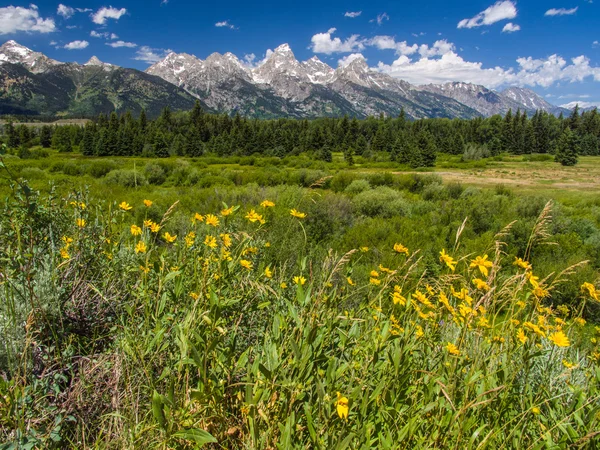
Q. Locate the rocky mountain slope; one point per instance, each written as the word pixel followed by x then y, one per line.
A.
pixel 31 83
pixel 280 86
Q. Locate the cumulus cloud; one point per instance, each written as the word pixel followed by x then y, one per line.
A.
pixel 439 48
pixel 251 61
pixel 352 14
pixel 501 10
pixel 595 44
pixel 511 28
pixel 77 45
pixel 150 55
pixel 586 105
pixel 380 18
pixel 561 11
pixel 323 43
pixel 389 43
pixel 17 18
pixel 65 11
pixel 105 13
pixel 225 24
pixel 117 44
pixel 529 72
pixel 343 62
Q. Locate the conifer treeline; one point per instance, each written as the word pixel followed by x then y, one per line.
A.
pixel 415 143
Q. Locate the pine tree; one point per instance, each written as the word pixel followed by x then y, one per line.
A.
pixel 349 156
pixel 566 150
pixel 427 149
pixel 325 154
pixel 161 147
pixel 361 145
pixel 589 145
pixel 87 143
pixel 143 120
pixel 13 136
pixel 46 136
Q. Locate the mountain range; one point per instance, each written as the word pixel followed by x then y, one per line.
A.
pixel 280 86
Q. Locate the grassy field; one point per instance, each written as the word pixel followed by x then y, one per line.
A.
pixel 264 303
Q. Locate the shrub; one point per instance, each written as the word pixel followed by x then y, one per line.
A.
pixel 126 178
pixel 382 201
pixel 213 180
pixel 341 181
pixel 99 169
pixel 155 173
pixel 358 186
pixel 73 169
pixel 474 152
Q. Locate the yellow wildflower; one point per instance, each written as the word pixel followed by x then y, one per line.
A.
pixel 535 410
pixel 482 263
pixel 399 248
pixel 246 264
pixel 579 321
pixel 341 406
pixel 419 331
pixel 135 230
pixel 148 203
pixel 226 238
pixel 283 285
pixel 198 218
pixel 568 365
pixel 297 214
pixel 480 284
pixel 364 249
pixel 519 262
pixel 350 282
pixel 125 206
pixel 423 299
pixel 452 349
pixel 140 247
pixel 190 238
pixel 267 204
pixel 211 220
pixel 385 269
pixel 374 274
pixel 227 211
pixel 300 280
pixel 448 260
pixel 591 289
pixel 64 254
pixel 535 281
pixel 145 269
pixel 169 237
pixel 67 240
pixel 210 241
pixel 155 228
pixel 80 223
pixel 398 298
pixel 540 292
pixel 374 281
pixel 560 339
pixel 521 336
pixel 268 272
pixel 194 295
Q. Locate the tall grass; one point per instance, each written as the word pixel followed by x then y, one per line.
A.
pixel 129 328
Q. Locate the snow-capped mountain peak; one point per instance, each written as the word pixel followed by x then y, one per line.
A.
pixel 15 53
pixel 318 72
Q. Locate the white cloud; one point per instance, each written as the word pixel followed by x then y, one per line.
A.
pixel 352 14
pixel 17 18
pixel 572 105
pixel 104 13
pixel 439 48
pixel 389 43
pixel 77 45
pixel 511 28
pixel 501 10
pixel 226 24
pixel 343 62
pixel 53 43
pixel 380 18
pixel 117 44
pixel 113 36
pixel 83 9
pixel 95 34
pixel 595 44
pixel 65 11
pixel 561 11
pixel 251 62
pixel 150 55
pixel 529 72
pixel 323 43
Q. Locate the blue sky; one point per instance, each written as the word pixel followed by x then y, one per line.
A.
pixel 552 46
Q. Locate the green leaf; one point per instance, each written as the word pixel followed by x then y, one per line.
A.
pixel 196 435
pixel 158 410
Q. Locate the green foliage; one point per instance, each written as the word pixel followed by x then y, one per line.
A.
pixel 566 149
